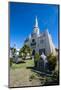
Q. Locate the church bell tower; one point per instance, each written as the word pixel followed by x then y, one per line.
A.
pixel 36 27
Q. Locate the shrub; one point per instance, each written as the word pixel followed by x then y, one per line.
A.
pixel 36 58
pixel 52 62
pixel 49 56
pixel 55 75
pixel 53 80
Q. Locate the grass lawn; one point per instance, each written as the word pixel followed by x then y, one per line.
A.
pixel 24 64
pixel 20 75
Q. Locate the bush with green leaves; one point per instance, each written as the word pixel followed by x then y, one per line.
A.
pixel 52 61
pixel 55 77
pixel 36 58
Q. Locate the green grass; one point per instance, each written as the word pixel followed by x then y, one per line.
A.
pixel 21 65
pixel 27 63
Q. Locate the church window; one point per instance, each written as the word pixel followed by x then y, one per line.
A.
pixel 33 40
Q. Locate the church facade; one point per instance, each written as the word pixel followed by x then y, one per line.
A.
pixel 40 41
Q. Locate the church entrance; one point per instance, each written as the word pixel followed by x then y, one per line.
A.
pixel 33 52
pixel 42 50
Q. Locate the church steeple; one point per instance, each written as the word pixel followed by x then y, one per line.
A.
pixel 36 22
pixel 36 28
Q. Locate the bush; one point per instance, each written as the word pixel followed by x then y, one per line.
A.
pixel 53 80
pixel 52 61
pixel 55 75
pixel 36 58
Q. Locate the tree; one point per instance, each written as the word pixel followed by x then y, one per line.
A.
pixel 36 58
pixel 24 50
pixel 13 51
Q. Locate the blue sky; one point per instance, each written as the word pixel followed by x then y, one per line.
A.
pixel 22 20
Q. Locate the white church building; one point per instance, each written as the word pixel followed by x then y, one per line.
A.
pixel 40 41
